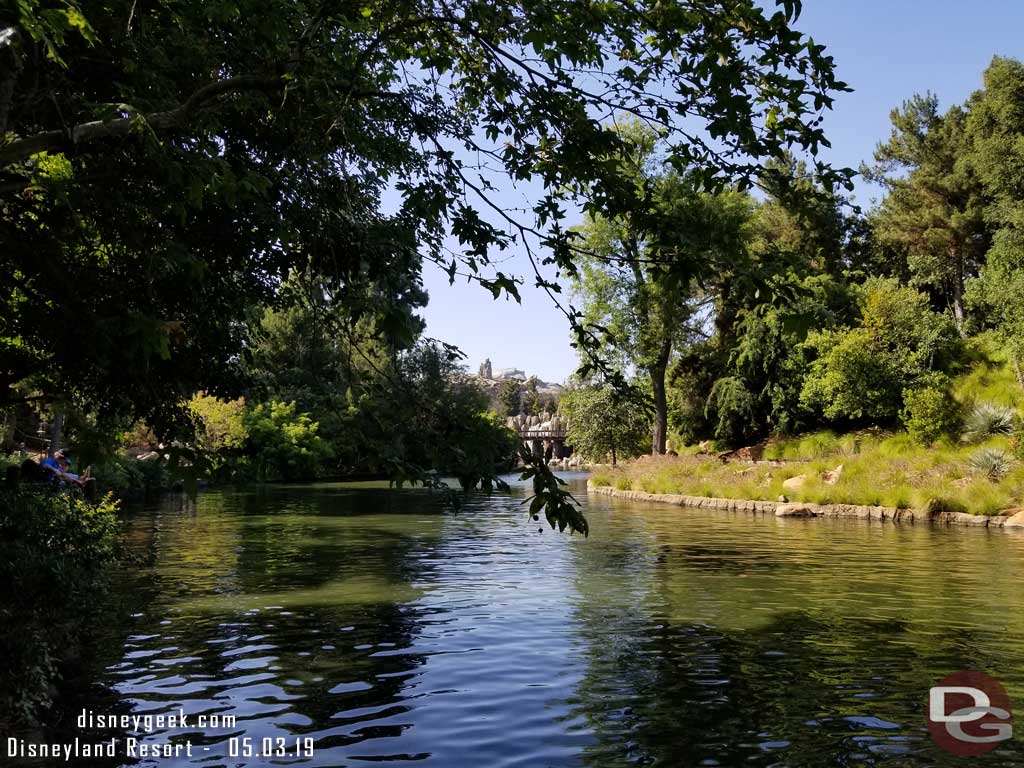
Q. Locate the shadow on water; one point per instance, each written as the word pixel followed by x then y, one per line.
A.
pixel 387 630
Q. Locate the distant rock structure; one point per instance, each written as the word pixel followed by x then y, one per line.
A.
pixel 492 381
pixel 504 374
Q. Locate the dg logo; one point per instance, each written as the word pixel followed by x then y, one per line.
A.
pixel 969 714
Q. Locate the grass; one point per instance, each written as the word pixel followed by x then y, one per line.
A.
pixel 887 471
pixel 879 467
pixel 990 378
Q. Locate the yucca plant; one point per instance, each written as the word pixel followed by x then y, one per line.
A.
pixel 994 463
pixel 985 420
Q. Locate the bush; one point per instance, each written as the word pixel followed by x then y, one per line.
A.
pixel 283 443
pixel 993 463
pixel 54 549
pixel 930 413
pixel 860 373
pixel 221 422
pixel 986 420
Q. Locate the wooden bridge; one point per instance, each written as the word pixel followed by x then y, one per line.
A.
pixel 538 441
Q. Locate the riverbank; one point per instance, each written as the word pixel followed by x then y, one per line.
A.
pixel 805 509
pixel 864 469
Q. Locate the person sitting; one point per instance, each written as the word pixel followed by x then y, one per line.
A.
pixel 60 470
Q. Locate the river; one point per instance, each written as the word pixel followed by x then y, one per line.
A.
pixel 354 626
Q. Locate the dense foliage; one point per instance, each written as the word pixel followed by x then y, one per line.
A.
pixel 53 549
pixel 604 423
pixel 166 169
pixel 821 315
pixel 860 372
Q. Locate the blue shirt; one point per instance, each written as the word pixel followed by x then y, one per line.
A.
pixel 51 463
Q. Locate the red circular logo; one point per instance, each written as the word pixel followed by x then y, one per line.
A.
pixel 969 714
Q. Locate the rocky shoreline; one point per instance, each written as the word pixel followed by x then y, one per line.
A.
pixel 804 509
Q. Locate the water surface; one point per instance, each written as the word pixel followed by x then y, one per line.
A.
pixel 391 631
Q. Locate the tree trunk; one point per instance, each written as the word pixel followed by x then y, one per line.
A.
pixel 958 294
pixel 1016 369
pixel 657 372
pixel 57 433
pixel 613 456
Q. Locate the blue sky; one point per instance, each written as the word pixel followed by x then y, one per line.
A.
pixel 886 50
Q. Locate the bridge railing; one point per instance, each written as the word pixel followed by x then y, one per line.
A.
pixel 526 434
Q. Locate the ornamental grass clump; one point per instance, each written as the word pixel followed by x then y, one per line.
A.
pixel 993 463
pixel 986 420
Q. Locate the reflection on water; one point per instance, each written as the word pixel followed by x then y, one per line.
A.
pixel 387 630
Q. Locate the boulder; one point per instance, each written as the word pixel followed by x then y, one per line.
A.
pixel 794 510
pixel 783 499
pixel 797 481
pixel 832 476
pixel 1015 520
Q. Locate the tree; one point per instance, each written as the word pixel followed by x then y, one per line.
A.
pixel 436 419
pixel 164 168
pixel 283 443
pixel 531 398
pixel 640 276
pixel 510 398
pixel 137 137
pixel 789 276
pixel 860 374
pixel 995 127
pixel 933 209
pixel 603 422
pixel 221 423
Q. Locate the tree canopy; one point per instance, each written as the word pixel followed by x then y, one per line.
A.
pixel 165 168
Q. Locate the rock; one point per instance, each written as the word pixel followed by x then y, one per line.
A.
pixel 794 510
pixel 832 476
pixel 797 481
pixel 750 453
pixel 1015 520
pixel 783 499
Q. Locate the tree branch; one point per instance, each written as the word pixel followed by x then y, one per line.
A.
pixel 21 149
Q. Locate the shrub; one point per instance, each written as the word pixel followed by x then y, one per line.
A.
pixel 53 551
pixel 993 463
pixel 860 373
pixel 221 422
pixel 985 420
pixel 930 413
pixel 283 443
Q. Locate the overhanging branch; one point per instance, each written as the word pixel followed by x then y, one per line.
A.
pixel 23 148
